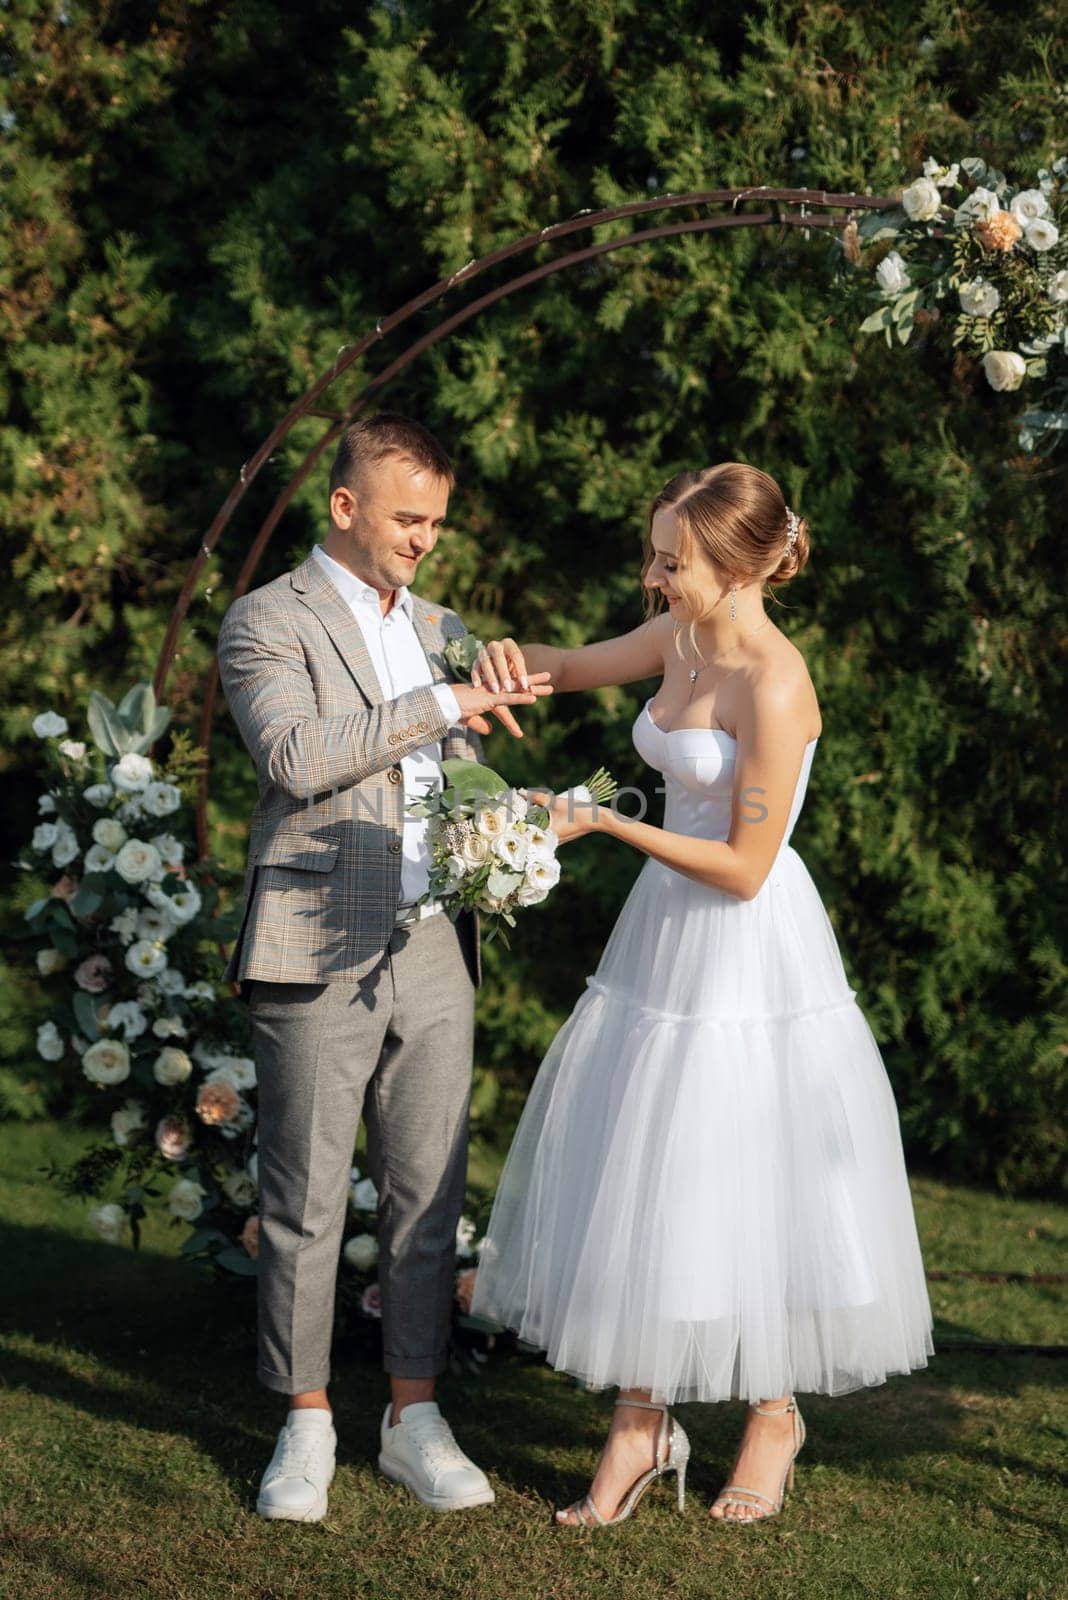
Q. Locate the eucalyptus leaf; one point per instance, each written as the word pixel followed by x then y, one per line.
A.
pixel 86 901
pixel 472 782
pixel 85 1011
pixel 234 1259
pixel 108 733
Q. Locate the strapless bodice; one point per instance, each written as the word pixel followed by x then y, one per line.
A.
pixel 698 768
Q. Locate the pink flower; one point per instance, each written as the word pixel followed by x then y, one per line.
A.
pixel 217 1102
pixel 371 1301
pixel 465 1287
pixel 172 1138
pixel 93 974
pixel 250 1237
pixel 64 888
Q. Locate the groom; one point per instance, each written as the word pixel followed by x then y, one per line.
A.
pixel 360 999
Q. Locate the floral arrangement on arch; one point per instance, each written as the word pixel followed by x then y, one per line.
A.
pixel 126 940
pixel 998 272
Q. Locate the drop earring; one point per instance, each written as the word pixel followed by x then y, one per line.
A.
pixel 734 602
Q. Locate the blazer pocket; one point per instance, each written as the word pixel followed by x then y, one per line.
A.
pixel 300 850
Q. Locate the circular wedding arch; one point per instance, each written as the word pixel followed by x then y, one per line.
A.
pixel 779 201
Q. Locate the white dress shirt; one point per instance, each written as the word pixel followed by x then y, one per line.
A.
pixel 400 664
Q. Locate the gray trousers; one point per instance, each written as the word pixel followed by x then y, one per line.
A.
pixel 396 1046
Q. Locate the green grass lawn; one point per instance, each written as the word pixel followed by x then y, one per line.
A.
pixel 133 1434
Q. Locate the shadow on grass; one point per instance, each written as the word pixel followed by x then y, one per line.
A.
pixel 160 1345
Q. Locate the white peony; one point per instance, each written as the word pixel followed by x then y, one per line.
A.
pixel 44 836
pixel 921 200
pixel 169 1028
pixel 1058 288
pixel 365 1195
pixel 137 861
pixel 66 846
pixel 475 851
pixel 110 833
pixel 1004 369
pixel 1028 206
pixel 1041 235
pixel 979 298
pixel 186 1199
pixel 160 799
pixel 125 924
pixel 171 1066
pixel 50 960
pixel 132 774
pixel 98 794
pixel 982 205
pixel 49 725
pixel 50 1046
pixel 106 1062
pixel 171 850
pixel 892 275
pixel 97 859
pixel 361 1252
pixel 145 958
pixel 240 1188
pixel 126 1121
pixel 73 748
pixel 127 1015
pixel 109 1221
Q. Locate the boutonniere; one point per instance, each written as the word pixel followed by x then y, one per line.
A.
pixel 461 654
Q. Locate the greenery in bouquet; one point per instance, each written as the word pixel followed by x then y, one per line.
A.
pixel 989 257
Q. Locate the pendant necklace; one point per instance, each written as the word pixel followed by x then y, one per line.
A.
pixel 696 671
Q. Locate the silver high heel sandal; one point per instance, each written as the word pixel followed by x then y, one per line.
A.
pixel 671 1433
pixel 736 1495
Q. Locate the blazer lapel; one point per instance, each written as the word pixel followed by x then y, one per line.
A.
pixel 311 584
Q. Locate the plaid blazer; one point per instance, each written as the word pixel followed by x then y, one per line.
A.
pixel 324 858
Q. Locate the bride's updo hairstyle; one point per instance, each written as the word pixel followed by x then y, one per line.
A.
pixel 736 516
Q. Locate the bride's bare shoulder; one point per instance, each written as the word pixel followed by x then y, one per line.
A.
pixel 779 677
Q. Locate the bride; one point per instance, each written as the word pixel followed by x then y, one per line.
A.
pixel 706 1197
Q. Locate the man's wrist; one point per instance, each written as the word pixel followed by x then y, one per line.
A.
pixel 448 704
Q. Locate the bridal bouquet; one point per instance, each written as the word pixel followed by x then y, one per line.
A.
pixel 491 848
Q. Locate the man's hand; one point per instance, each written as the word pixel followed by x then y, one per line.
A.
pixel 476 699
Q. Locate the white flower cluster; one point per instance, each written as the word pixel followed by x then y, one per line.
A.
pixel 521 856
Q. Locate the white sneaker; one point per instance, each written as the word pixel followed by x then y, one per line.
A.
pixel 421 1453
pixel 300 1472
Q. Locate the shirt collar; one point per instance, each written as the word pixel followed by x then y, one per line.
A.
pixel 355 591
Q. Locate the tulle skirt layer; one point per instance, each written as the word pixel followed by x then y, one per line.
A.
pixel 706 1195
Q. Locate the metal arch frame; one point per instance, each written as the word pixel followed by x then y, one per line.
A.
pixel 306 405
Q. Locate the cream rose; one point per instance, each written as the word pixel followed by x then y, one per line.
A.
pixel 475 851
pixel 186 1199
pixel 50 961
pixel 137 861
pixel 979 298
pixel 1058 287
pixel 107 1062
pixel 108 1221
pixel 126 1121
pixel 1004 369
pixel 240 1189
pixel 361 1252
pixel 109 832
pixel 171 1066
pixel 921 200
pixel 1041 235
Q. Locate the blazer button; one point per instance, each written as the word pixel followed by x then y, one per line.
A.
pixel 394 847
pixel 395 775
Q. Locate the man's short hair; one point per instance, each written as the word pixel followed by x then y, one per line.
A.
pixel 372 439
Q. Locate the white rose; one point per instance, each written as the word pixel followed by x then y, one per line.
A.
pixel 1041 235
pixel 979 298
pixel 127 1015
pixel 44 836
pixel 171 1066
pixel 365 1195
pixel 49 961
pixel 1028 206
pixel 72 748
pixel 237 1070
pixel 185 904
pixel 66 847
pixel 892 275
pixel 137 861
pixel 361 1252
pixel 50 1046
pixel 98 794
pixel 125 924
pixel 49 725
pixel 160 799
pixel 982 205
pixel 109 1221
pixel 109 832
pixel 186 1199
pixel 46 805
pixel 455 869
pixel 128 1120
pixel 921 200
pixel 144 958
pixel 491 821
pixel 511 848
pixel 240 1188
pixel 106 1062
pixel 475 851
pixel 132 774
pixel 169 1028
pixel 1058 288
pixel 97 859
pixel 1004 369
pixel 171 850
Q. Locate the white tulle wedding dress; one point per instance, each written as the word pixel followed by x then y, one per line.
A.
pixel 706 1194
